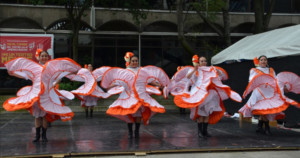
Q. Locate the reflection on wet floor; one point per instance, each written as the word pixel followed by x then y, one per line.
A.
pixel 166 132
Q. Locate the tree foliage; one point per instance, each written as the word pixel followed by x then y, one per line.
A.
pixel 207 11
pixel 262 15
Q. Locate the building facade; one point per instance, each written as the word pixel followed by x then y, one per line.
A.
pixel 106 34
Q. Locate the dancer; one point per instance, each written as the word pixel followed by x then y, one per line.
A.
pixel 132 63
pixel 36 98
pixel 206 94
pixel 267 99
pixel 201 113
pixel 40 115
pixel 88 102
pixel 134 103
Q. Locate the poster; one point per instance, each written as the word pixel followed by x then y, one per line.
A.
pixel 23 45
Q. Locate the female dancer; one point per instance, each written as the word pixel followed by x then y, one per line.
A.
pixel 203 112
pixel 206 95
pixel 133 64
pixel 89 102
pixel 90 77
pixel 267 99
pixel 40 115
pixel 42 99
pixel 133 104
pixel 37 112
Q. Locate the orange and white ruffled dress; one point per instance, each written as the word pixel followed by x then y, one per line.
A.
pixel 90 79
pixel 42 98
pixel 267 96
pixel 179 83
pixel 135 99
pixel 207 93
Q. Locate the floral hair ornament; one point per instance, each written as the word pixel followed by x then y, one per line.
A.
pixel 256 61
pixel 178 68
pixel 37 53
pixel 195 60
pixel 127 57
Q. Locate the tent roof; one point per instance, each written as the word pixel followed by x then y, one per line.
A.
pixel 275 43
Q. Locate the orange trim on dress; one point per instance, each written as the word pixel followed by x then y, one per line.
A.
pixel 13 107
pixel 216 116
pixel 120 110
pixel 281 108
pixel 221 69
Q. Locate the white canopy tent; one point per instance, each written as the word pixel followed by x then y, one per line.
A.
pixel 275 43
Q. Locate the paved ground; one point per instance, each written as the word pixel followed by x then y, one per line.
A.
pixel 167 133
pixel 252 154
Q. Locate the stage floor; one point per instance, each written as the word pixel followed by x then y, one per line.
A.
pixel 104 135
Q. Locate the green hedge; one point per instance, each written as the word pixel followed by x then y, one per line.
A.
pixel 69 85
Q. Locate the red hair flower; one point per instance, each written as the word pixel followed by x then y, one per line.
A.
pixel 195 60
pixel 256 61
pixel 127 57
pixel 37 53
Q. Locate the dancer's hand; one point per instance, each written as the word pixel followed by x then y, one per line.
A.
pixel 156 84
pixel 285 89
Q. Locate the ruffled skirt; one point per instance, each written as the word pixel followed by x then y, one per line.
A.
pixel 89 101
pixel 37 111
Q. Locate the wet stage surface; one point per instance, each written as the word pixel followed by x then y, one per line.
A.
pixel 169 132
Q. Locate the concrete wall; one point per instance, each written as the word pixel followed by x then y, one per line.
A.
pixel 47 15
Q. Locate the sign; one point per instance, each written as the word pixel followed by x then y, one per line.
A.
pixel 23 45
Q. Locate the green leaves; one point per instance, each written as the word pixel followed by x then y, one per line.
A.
pixel 69 85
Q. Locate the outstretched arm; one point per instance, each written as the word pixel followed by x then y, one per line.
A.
pixel 155 83
pixel 111 86
pixel 16 75
pixel 189 75
pixel 56 83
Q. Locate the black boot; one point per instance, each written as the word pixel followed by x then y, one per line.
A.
pixel 86 113
pixel 91 113
pixel 37 134
pixel 137 130
pixel 200 130
pixel 129 125
pixel 267 128
pixel 205 133
pixel 44 135
pixel 260 127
